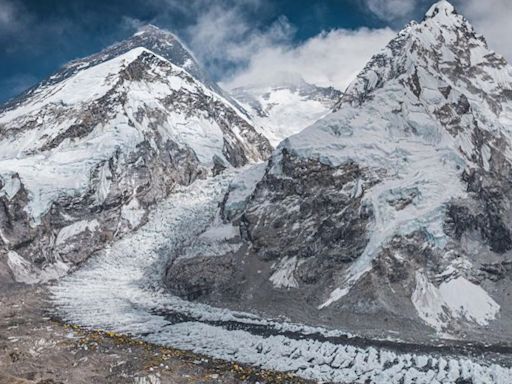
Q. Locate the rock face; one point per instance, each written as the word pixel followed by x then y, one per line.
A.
pixel 85 153
pixel 391 214
pixel 282 110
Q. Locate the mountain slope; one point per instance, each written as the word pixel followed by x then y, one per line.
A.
pixel 282 110
pixel 396 207
pixel 84 154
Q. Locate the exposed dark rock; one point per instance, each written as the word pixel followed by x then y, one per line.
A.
pixel 313 202
pixel 198 277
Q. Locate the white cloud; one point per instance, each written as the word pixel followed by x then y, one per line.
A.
pixel 225 38
pixel 8 16
pixel 335 57
pixel 492 19
pixel 392 9
pixel 240 52
pixel 330 59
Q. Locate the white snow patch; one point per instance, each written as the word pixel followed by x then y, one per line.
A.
pixel 11 186
pixel 85 86
pixel 24 272
pixel 133 213
pixel 75 229
pixel 243 185
pixel 284 274
pixel 444 7
pixel 21 269
pixel 469 301
pixel 454 299
pixel 429 303
pixel 104 183
pixel 220 232
pixel 285 111
pixel 335 295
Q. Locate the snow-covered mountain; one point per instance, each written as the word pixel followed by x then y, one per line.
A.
pixel 87 151
pixel 282 110
pixel 390 215
pixel 158 41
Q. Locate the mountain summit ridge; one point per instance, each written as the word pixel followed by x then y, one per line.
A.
pixel 442 6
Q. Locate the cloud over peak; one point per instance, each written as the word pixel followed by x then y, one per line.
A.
pixel 392 9
pixel 240 42
pixel 331 58
pixel 239 52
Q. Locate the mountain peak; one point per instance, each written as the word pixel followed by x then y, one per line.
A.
pixel 167 45
pixel 157 40
pixel 443 7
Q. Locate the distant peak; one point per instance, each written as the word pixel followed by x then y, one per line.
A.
pixel 442 7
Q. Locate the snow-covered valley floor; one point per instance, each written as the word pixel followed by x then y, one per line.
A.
pixel 120 290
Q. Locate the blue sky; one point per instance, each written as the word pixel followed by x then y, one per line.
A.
pixel 236 40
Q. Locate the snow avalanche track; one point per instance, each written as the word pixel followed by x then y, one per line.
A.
pixel 120 290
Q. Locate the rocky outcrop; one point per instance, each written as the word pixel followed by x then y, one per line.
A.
pixel 295 213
